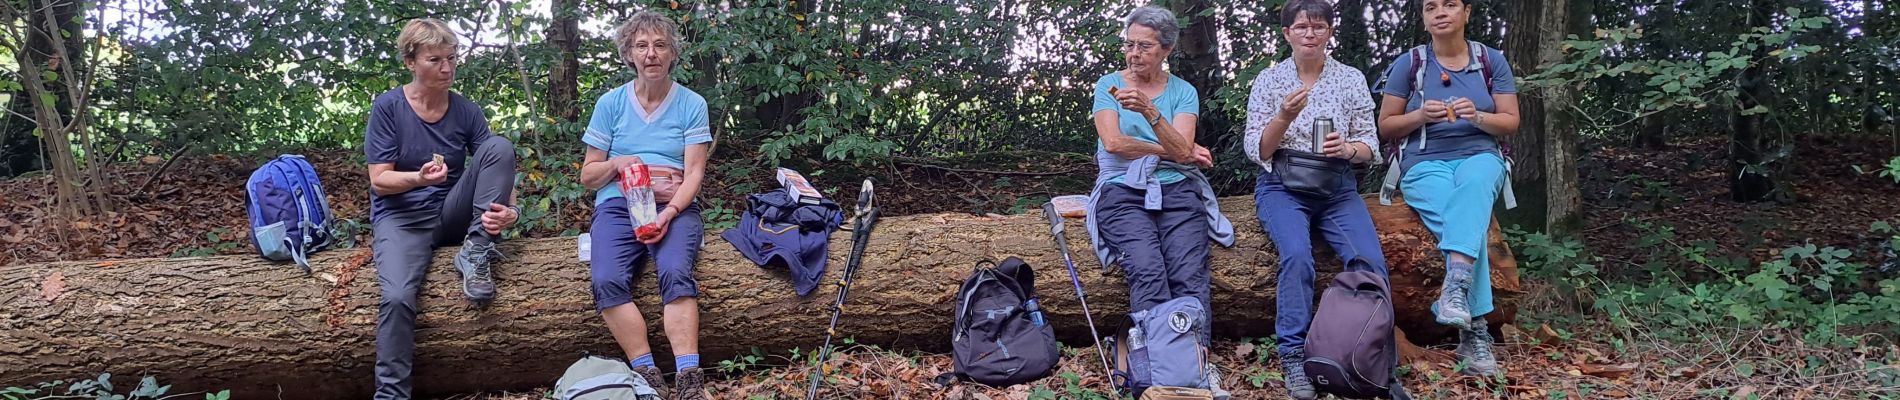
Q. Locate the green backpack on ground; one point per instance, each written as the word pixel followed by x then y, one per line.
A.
pixel 602 378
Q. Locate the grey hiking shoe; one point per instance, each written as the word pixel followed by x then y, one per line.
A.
pixel 1213 383
pixel 652 375
pixel 475 262
pixel 1453 296
pixel 1293 368
pixel 1474 351
pixel 690 384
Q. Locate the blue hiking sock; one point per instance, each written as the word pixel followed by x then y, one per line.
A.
pixel 685 361
pixel 645 360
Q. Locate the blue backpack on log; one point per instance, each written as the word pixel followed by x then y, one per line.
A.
pixel 290 216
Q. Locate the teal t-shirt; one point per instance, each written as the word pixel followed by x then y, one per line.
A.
pixel 622 128
pixel 1179 98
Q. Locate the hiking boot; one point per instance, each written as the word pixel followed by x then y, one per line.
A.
pixel 1293 368
pixel 652 375
pixel 474 262
pixel 1213 383
pixel 1453 296
pixel 690 384
pixel 1474 351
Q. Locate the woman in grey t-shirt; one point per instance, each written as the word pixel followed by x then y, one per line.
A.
pixel 438 177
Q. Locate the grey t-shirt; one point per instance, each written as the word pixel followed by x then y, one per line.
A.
pixel 395 135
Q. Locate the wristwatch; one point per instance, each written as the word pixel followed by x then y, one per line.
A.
pixel 1477 119
pixel 1155 119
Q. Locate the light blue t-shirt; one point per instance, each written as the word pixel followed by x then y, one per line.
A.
pixel 1450 140
pixel 1178 98
pixel 623 128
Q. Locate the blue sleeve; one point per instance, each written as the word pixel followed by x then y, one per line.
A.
pixel 1398 77
pixel 1503 81
pixel 1190 102
pixel 379 137
pixel 697 131
pixel 1104 101
pixel 600 127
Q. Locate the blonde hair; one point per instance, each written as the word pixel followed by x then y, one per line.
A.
pixel 425 33
pixel 647 22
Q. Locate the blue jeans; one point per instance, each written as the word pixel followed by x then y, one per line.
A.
pixel 1289 220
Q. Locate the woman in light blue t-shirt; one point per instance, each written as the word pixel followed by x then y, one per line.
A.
pixel 1145 119
pixel 656 122
pixel 1447 110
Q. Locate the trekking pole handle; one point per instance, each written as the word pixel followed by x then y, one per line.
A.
pixel 1056 227
pixel 866 198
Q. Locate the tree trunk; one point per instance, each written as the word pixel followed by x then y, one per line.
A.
pixel 1524 48
pixel 1199 65
pixel 48 27
pixel 1565 202
pixel 563 85
pixel 1355 44
pixel 265 330
pixel 19 149
pixel 1751 172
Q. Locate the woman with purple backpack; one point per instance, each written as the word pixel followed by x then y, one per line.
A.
pixel 1308 119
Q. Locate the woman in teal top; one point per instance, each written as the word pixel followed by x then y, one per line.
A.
pixel 1150 205
pixel 656 122
pixel 1448 109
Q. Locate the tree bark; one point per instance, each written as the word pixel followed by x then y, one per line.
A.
pixel 1523 47
pixel 1199 65
pixel 265 330
pixel 1564 208
pixel 49 26
pixel 1750 171
pixel 563 84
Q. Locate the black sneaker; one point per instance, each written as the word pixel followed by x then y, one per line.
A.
pixel 475 262
pixel 1293 368
pixel 652 375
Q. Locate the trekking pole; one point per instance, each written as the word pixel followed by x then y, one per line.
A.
pixel 1062 244
pixel 860 232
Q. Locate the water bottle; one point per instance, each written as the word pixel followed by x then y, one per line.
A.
pixel 1321 127
pixel 1035 312
pixel 637 186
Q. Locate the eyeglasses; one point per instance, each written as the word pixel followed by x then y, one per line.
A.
pixel 1131 45
pixel 644 47
pixel 1310 29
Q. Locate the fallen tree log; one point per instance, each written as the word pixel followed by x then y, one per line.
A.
pixel 266 330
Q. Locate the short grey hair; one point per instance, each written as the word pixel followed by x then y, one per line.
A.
pixel 1154 17
pixel 646 22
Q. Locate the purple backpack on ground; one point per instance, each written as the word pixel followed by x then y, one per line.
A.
pixel 1350 350
pixel 290 216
